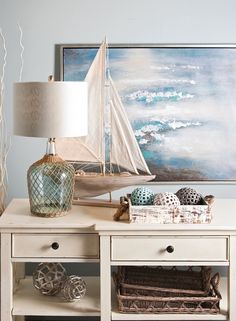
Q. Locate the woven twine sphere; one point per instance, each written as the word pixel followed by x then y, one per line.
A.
pixel 74 288
pixel 49 278
pixel 142 196
pixel 166 199
pixel 188 196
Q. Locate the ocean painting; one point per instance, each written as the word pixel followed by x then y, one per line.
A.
pixel 181 103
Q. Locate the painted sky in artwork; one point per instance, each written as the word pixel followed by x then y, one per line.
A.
pixel 181 105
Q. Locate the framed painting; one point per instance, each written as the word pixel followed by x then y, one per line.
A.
pixel 180 101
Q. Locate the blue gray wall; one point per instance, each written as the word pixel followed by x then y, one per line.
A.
pixel 46 23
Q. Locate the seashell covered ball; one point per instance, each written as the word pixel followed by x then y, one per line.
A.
pixel 188 196
pixel 142 196
pixel 166 198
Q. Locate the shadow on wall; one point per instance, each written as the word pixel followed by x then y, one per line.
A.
pixel 80 269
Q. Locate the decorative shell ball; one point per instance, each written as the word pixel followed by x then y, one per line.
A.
pixel 49 278
pixel 142 196
pixel 166 199
pixel 188 196
pixel 74 288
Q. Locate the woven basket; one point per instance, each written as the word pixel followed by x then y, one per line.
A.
pixel 156 300
pixel 159 281
pixel 164 214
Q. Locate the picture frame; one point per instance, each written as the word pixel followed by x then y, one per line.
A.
pixel 180 101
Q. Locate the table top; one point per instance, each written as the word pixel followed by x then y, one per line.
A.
pixel 17 216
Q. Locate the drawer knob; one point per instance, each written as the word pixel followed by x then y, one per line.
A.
pixel 170 249
pixel 55 246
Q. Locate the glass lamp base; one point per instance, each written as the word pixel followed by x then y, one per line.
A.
pixel 50 186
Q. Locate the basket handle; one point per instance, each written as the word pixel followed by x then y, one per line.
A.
pixel 215 280
pixel 209 199
pixel 115 279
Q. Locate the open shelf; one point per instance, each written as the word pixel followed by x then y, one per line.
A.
pixel 28 301
pixel 167 316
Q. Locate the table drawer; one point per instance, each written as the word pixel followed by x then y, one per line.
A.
pixel 56 245
pixel 141 248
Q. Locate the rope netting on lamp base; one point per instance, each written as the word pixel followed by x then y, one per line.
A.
pixel 50 186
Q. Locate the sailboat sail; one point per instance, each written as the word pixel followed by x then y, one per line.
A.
pixel 125 151
pixel 92 147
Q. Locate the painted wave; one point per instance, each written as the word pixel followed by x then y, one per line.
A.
pixel 191 67
pixel 149 96
pixel 178 81
pixel 156 130
pixel 175 67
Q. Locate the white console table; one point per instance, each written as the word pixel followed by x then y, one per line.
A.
pixel 89 234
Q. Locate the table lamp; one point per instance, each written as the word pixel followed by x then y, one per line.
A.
pixel 50 109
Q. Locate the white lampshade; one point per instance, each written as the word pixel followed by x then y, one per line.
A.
pixel 50 109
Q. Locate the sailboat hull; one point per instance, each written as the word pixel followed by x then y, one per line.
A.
pixel 90 186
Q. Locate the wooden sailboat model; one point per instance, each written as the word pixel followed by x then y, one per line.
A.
pixel 124 151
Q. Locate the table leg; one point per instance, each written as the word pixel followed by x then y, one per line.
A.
pixel 231 281
pixel 6 278
pixel 105 278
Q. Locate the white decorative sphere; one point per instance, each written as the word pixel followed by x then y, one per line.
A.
pixel 74 288
pixel 188 196
pixel 166 198
pixel 142 196
pixel 49 278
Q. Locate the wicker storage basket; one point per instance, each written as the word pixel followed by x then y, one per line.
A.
pixel 155 281
pixel 177 301
pixel 164 214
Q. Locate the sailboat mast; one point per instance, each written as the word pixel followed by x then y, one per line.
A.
pixel 103 102
pixel 108 100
